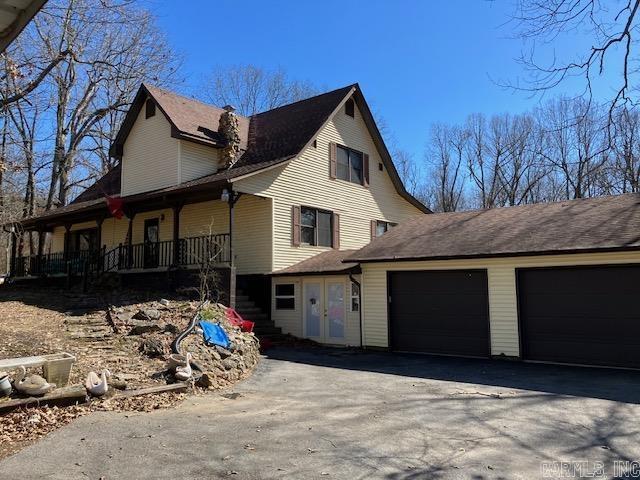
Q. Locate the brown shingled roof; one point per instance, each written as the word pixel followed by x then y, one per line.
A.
pixel 108 184
pixel 329 262
pixel 271 138
pixel 604 223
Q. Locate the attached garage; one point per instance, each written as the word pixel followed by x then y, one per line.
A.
pixel 440 312
pixel 583 315
pixel 558 282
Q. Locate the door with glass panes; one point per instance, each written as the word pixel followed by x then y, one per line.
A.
pixel 324 309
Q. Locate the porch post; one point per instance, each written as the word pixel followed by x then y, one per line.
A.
pixel 130 241
pixel 176 234
pixel 12 262
pixel 67 238
pixel 233 198
pixel 40 241
pixel 99 258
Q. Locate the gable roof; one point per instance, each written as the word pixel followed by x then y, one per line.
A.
pixel 269 139
pixel 607 223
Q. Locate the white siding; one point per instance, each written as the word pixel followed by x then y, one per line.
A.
pixel 150 155
pixel 197 161
pixel 503 303
pixel 305 181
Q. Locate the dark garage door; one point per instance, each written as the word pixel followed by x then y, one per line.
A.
pixel 442 312
pixel 585 315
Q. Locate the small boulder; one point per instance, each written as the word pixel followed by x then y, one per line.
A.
pixel 147 314
pixel 140 327
pixel 223 352
pixel 164 302
pixel 207 380
pixel 152 348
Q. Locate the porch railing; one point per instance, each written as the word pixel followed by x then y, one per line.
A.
pixel 149 255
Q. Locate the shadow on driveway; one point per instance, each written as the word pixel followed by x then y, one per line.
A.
pixel 604 383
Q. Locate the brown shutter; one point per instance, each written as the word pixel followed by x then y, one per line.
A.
pixel 365 169
pixel 333 160
pixel 295 226
pixel 374 228
pixel 336 231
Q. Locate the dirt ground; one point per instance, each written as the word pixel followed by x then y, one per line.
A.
pixel 36 322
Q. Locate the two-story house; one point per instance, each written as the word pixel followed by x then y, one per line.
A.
pixel 278 199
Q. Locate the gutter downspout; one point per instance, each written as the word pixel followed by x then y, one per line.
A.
pixel 351 277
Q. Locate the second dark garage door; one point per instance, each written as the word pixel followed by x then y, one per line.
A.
pixel 442 312
pixel 583 315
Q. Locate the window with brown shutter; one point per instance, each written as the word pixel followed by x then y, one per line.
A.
pixel 374 227
pixel 333 160
pixel 336 231
pixel 295 226
pixel 316 227
pixel 350 165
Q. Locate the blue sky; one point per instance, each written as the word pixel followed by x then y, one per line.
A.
pixel 417 61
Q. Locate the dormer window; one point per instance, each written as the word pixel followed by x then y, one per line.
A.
pixel 349 108
pixel 150 108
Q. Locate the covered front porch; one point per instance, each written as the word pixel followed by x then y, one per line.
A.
pixel 157 231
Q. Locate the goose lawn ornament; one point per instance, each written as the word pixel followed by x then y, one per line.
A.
pixel 95 385
pixel 31 384
pixel 184 371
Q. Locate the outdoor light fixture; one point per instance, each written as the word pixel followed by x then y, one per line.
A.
pixel 225 195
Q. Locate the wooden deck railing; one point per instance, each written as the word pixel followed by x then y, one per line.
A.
pixel 149 255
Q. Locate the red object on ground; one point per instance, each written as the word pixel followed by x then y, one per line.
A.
pixel 115 205
pixel 236 319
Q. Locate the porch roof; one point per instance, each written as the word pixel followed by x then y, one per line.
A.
pixel 330 262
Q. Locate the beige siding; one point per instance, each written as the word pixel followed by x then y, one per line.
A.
pixel 291 321
pixel 114 232
pixel 197 161
pixel 56 244
pixel 198 219
pixel 305 181
pixel 252 234
pixel 150 156
pixel 502 291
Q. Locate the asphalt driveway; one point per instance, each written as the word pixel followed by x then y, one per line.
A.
pixel 338 414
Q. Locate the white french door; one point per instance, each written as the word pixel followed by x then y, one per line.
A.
pixel 324 310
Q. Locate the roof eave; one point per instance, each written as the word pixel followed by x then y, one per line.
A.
pixel 629 248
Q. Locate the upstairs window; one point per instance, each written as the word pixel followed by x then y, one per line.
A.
pixel 349 108
pixel 316 227
pixel 149 108
pixel 349 165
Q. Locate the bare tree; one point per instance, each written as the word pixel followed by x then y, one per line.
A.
pixel 444 191
pixel 611 49
pixel 115 46
pixel 252 89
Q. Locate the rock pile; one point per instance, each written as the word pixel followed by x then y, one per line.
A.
pixel 156 324
pixel 222 367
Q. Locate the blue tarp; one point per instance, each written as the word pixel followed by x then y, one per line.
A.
pixel 214 334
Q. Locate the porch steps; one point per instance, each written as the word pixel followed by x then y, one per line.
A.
pixel 264 328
